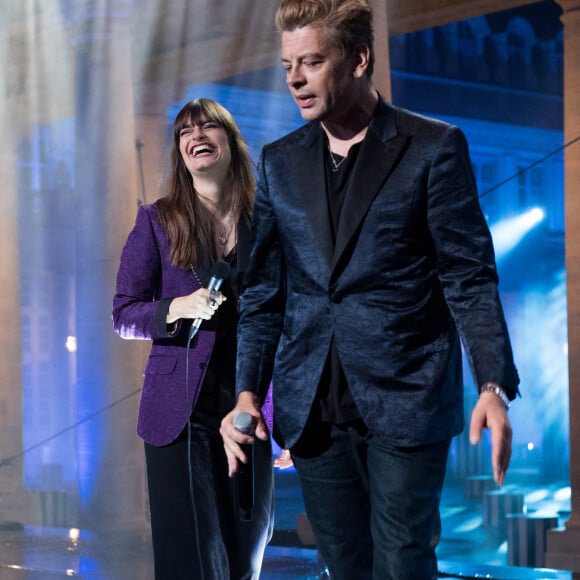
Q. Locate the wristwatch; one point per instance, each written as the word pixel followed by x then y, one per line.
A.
pixel 496 390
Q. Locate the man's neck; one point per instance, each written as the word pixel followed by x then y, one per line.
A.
pixel 351 127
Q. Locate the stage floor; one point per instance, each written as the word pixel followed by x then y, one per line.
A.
pixel 469 547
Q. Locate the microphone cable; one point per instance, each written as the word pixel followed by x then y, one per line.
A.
pixel 190 465
pixel 220 272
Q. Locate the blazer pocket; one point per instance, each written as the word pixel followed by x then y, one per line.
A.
pixel 160 365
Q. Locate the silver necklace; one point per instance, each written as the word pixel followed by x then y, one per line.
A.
pixel 224 237
pixel 335 164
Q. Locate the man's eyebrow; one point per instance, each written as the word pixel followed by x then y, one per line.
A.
pixel 305 56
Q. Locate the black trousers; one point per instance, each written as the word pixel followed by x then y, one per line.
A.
pixel 197 530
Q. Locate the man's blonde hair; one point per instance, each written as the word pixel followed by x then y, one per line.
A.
pixel 348 23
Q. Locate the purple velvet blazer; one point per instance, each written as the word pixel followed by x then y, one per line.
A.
pixel 146 284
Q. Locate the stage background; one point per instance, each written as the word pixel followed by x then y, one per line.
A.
pixel 88 90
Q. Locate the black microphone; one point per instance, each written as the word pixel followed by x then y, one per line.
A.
pixel 219 272
pixel 246 423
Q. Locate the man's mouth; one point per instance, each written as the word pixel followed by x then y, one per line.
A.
pixel 304 100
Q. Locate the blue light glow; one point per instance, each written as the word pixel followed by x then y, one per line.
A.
pixel 508 233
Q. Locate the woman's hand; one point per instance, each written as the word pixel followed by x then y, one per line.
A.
pixel 284 460
pixel 200 304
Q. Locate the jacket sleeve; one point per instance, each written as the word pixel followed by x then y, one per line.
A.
pixel 466 263
pixel 262 301
pixel 138 313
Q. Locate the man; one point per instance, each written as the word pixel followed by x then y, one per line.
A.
pixel 371 256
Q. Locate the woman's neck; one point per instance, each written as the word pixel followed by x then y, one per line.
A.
pixel 213 196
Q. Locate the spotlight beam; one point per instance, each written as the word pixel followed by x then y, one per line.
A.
pixel 508 233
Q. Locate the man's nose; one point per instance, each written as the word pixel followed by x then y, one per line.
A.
pixel 294 77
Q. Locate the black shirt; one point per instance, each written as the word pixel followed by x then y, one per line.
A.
pixel 336 402
pixel 217 396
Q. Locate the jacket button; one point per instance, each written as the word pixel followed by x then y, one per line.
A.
pixel 202 365
pixel 336 298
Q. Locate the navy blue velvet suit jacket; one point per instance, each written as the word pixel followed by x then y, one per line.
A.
pixel 411 271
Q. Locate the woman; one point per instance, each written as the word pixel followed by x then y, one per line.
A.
pixel 197 528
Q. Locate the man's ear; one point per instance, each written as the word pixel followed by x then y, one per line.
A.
pixel 361 61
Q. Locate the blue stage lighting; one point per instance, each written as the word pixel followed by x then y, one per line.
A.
pixel 508 233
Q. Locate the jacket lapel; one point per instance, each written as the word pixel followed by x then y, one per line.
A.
pixel 379 154
pixel 310 186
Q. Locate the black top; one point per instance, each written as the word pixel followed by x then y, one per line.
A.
pixel 336 402
pixel 217 396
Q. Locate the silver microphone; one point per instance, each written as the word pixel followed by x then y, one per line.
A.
pixel 219 272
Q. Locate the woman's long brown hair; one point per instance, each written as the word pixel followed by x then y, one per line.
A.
pixel 189 223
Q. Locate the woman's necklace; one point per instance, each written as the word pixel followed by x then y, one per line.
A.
pixel 224 236
pixel 336 164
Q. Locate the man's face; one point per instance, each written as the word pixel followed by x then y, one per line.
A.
pixel 319 77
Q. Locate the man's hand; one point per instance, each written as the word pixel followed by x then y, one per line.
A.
pixel 247 402
pixel 491 413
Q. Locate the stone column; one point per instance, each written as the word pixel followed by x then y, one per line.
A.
pixel 382 72
pixel 562 545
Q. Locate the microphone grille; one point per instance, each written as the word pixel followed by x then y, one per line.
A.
pixel 244 423
pixel 220 270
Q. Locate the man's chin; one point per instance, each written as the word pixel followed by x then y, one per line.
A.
pixel 310 114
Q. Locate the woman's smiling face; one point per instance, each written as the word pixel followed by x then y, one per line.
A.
pixel 204 147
